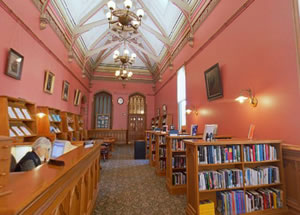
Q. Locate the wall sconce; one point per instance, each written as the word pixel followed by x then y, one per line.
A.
pixel 192 110
pixel 41 115
pixel 249 95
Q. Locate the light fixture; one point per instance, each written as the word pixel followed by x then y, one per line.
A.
pixel 41 115
pixel 123 19
pixel 123 74
pixel 247 95
pixel 192 110
pixel 125 59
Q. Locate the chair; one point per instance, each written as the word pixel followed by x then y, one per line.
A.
pixel 104 151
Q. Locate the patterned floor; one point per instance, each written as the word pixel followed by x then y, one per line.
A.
pixel 130 187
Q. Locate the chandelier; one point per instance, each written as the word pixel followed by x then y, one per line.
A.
pixel 121 20
pixel 123 74
pixel 124 59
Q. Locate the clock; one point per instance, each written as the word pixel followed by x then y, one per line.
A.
pixel 120 100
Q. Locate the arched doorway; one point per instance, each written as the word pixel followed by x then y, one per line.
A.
pixel 102 113
pixel 136 117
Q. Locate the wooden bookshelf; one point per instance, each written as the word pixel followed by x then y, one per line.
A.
pixel 194 195
pixel 68 125
pixel 167 120
pixel 18 119
pixel 79 127
pixel 160 158
pixel 5 150
pixel 171 187
pixel 158 122
pixel 147 143
pixel 152 141
pixel 153 123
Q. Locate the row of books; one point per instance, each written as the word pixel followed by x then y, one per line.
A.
pixel 264 199
pixel 162 140
pixel 20 130
pixel 54 118
pixel 179 161
pixel 162 164
pixel 178 145
pixel 260 152
pixel 162 152
pixel 54 129
pixel 18 113
pixel 178 178
pixel 207 207
pixel 225 178
pixel 231 202
pixel 219 154
pixel 262 175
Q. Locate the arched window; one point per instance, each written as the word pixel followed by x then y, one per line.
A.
pixel 181 97
pixel 136 104
pixel 103 110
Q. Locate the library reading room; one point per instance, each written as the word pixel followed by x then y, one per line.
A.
pixel 149 107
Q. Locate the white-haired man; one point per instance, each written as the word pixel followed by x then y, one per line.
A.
pixel 40 151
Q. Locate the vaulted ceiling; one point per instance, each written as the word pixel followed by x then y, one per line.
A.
pixel 84 26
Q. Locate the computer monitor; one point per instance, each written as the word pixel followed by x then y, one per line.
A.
pixel 58 149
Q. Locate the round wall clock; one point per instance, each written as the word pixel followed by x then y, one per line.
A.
pixel 120 100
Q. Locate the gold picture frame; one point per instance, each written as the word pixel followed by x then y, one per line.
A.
pixel 77 97
pixel 49 82
pixel 65 91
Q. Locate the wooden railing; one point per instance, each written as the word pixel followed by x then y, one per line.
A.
pixel 120 135
pixel 291 161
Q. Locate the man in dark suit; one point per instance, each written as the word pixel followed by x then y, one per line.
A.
pixel 40 152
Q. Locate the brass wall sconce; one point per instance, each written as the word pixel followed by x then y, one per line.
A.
pixel 192 110
pixel 41 115
pixel 247 95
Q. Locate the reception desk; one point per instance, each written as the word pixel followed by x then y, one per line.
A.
pixel 70 189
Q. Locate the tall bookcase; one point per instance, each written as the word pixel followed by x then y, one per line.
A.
pixel 79 127
pixel 68 125
pixel 166 120
pixel 152 142
pixel 18 119
pixel 175 175
pixel 195 195
pixel 157 122
pixel 147 142
pixel 160 153
pixel 153 123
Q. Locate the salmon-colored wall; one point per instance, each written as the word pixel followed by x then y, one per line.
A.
pixel 258 51
pixel 120 112
pixel 24 36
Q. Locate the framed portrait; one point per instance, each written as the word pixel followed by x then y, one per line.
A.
pixel 65 91
pixel 14 64
pixel 213 82
pixel 77 97
pixel 49 82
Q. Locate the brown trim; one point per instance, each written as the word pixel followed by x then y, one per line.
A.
pixel 39 41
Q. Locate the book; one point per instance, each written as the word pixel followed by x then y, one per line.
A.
pixel 251 132
pixel 17 131
pixel 11 133
pixel 19 113
pixel 25 112
pixel 25 130
pixel 11 113
pixel 194 129
pixel 210 129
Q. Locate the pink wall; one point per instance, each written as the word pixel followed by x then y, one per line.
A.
pixel 258 51
pixel 120 112
pixel 22 33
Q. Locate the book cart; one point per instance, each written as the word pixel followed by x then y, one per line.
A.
pixel 18 120
pixel 160 153
pixel 176 164
pixel 271 196
pixel 68 125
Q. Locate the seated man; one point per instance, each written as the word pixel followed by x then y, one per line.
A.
pixel 40 151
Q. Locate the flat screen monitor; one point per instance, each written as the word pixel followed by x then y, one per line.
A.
pixel 58 149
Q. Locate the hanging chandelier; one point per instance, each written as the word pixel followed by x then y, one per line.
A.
pixel 125 58
pixel 124 20
pixel 123 74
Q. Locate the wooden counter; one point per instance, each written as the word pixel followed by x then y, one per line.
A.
pixel 71 189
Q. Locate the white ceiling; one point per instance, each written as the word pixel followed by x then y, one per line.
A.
pixel 157 12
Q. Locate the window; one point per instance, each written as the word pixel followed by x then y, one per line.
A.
pixel 181 97
pixel 103 110
pixel 136 104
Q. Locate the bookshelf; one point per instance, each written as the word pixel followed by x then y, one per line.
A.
pixel 79 127
pixel 147 142
pixel 152 142
pixel 167 120
pixel 50 124
pixel 176 151
pixel 234 159
pixel 160 153
pixel 68 125
pixel 158 122
pixel 153 123
pixel 18 119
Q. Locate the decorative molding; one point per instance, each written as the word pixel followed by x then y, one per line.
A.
pixel 112 78
pixel 211 38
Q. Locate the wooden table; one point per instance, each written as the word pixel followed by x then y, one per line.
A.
pixel 71 189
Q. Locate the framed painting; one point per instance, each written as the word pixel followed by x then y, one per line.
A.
pixel 14 64
pixel 77 97
pixel 49 82
pixel 65 91
pixel 213 82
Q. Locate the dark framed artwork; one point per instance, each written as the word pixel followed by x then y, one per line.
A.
pixel 213 82
pixel 14 64
pixel 65 91
pixel 77 97
pixel 49 82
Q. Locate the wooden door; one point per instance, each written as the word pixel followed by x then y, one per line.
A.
pixel 136 117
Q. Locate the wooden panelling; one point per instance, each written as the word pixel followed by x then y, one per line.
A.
pixel 71 189
pixel 119 135
pixel 291 161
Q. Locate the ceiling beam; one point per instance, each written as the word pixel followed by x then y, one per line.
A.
pixel 92 12
pixel 45 5
pixel 147 43
pixel 141 57
pixel 101 58
pixel 81 29
pixel 162 38
pixel 182 5
pixel 97 50
pixel 154 57
pixel 99 39
pixel 146 9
